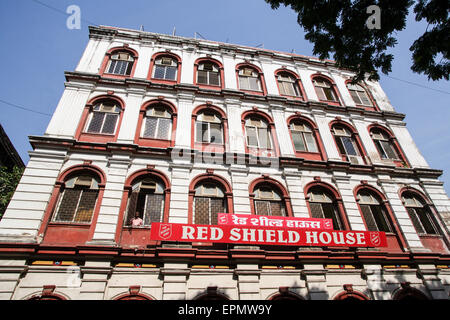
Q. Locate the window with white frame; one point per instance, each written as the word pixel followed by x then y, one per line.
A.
pixel 268 202
pixel 346 143
pixel 120 63
pixel 303 137
pixel 258 133
pixel 288 85
pixel 209 200
pixel 325 90
pixel 146 202
pixel 374 212
pixel 157 123
pixel 103 118
pixel 384 145
pixel 77 200
pixel 359 95
pixel 165 68
pixel 249 79
pixel 208 128
pixel 208 73
pixel 420 214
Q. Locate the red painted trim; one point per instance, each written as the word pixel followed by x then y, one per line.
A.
pixel 107 57
pixel 152 64
pixel 221 73
pixel 81 135
pixel 337 198
pixel 354 134
pixel 271 126
pixel 353 294
pixel 298 81
pixel 209 177
pixel 159 143
pixel 263 91
pixel 275 184
pixel 127 192
pixel 333 86
pixel 210 147
pixel 385 203
pixel 394 141
pixel 75 238
pixel 321 155
pixel 369 94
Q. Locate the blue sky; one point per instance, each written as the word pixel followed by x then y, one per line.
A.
pixel 37 48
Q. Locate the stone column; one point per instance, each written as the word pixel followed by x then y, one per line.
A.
pixel 10 274
pixel 282 130
pixel 239 184
pixel 375 282
pixel 248 281
pixel 95 276
pixel 179 192
pixel 128 126
pixel 184 115
pixel 431 280
pixel 345 189
pixel 295 190
pixel 106 227
pixel 325 133
pixel 236 135
pixel 23 216
pixel 175 276
pixel 316 281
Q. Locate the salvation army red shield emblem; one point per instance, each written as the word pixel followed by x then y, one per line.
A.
pixel 375 238
pixel 328 224
pixel 165 230
pixel 223 218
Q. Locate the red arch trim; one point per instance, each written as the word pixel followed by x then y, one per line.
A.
pixel 170 105
pixel 108 54
pixel 415 191
pixel 82 167
pixel 117 99
pixel 209 107
pixel 259 113
pixel 343 123
pixel 324 185
pixel 147 171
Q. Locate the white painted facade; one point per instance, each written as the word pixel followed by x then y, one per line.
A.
pixel 102 279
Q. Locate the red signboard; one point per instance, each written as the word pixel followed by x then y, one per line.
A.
pixel 266 235
pixel 273 221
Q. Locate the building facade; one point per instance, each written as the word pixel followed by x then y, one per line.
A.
pixel 157 128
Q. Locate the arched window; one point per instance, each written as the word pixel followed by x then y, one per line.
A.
pixel 325 90
pixel 157 123
pixel 288 84
pixel 359 95
pixel 77 199
pixel 322 204
pixel 420 213
pixel 249 79
pixel 165 68
pixel 145 203
pixel 209 200
pixel 120 63
pixel 258 133
pixel 103 118
pixel 208 127
pixel 268 201
pixel 387 146
pixel 347 143
pixel 303 136
pixel 373 211
pixel 208 73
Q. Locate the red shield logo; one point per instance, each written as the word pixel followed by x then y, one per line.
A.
pixel 223 218
pixel 165 230
pixel 328 224
pixel 375 238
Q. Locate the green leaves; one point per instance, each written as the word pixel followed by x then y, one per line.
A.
pixel 340 29
pixel 8 184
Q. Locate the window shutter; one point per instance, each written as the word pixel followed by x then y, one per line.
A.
pixel 368 217
pixel 415 220
pixel 426 221
pixel 316 210
pixel 330 212
pixel 132 203
pixel 68 205
pixel 298 141
pixel 154 207
pixel 110 123
pixel 201 215
pixel 310 142
pixel 262 207
pixel 277 208
pixel 163 129
pixel 86 205
pixel 96 122
pixel 150 127
pixel 216 132
pixel 217 206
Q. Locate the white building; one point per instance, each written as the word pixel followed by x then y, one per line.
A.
pixel 261 132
